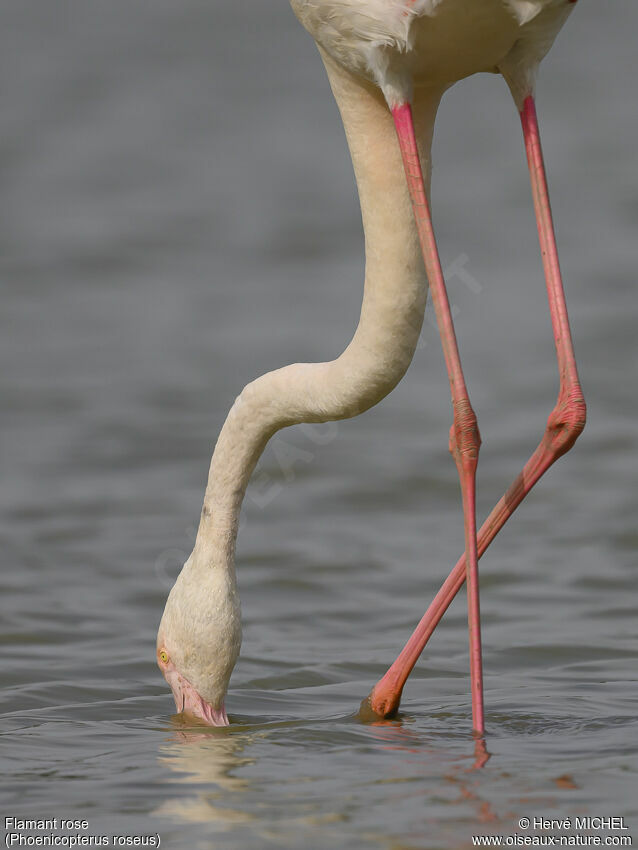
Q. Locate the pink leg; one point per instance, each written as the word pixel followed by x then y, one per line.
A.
pixel 564 425
pixel 464 435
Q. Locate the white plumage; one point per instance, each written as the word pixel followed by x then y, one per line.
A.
pixel 397 43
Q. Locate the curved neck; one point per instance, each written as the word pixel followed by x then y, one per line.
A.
pixel 389 326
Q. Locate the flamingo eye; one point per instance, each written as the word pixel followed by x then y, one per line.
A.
pixel 163 656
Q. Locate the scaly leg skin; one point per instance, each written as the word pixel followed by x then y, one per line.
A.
pixel 464 434
pixel 564 425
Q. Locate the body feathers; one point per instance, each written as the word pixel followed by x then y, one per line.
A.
pixel 400 43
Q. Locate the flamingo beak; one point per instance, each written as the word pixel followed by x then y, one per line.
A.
pixel 188 701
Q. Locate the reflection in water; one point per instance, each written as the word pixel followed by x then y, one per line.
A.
pixel 397 737
pixel 367 716
pixel 206 758
pixel 209 760
pixel 481 755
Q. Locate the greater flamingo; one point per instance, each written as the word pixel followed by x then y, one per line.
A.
pixel 389 63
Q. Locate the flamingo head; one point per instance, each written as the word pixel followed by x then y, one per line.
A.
pixel 198 641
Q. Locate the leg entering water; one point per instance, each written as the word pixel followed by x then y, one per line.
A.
pixel 564 425
pixel 464 434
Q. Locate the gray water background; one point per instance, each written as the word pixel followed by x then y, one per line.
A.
pixel 179 216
